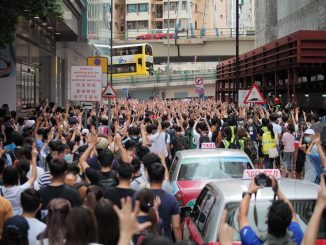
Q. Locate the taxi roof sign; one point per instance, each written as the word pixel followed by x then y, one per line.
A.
pixel 248 174
pixel 208 145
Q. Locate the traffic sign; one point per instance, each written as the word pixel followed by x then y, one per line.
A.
pixel 86 105
pixel 199 82
pixel 254 96
pixel 86 82
pixel 109 92
pixel 98 61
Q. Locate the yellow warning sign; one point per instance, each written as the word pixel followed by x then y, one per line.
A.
pixel 98 61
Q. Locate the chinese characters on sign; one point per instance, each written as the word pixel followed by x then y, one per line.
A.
pixel 86 82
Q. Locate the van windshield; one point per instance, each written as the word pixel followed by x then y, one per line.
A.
pixel 213 168
pixel 303 209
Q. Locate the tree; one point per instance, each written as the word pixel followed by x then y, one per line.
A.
pixel 12 10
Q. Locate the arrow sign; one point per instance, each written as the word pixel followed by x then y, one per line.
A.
pixel 86 105
pixel 254 96
pixel 109 92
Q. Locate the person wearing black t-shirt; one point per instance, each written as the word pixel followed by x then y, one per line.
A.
pixel 58 188
pixel 122 190
pixel 105 158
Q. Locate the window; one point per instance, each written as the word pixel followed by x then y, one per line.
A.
pixel 303 209
pixel 172 23
pixel 143 7
pixel 132 25
pixel 143 24
pixel 199 204
pixel 148 50
pixel 173 166
pixel 205 212
pixel 123 68
pixel 212 168
pixel 184 5
pixel 132 8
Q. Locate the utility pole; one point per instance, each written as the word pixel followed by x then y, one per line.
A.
pixel 111 61
pixel 235 95
pixel 168 36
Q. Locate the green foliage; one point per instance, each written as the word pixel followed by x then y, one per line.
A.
pixel 12 10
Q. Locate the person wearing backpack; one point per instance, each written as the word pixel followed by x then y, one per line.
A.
pixel 181 140
pixel 246 144
pixel 123 189
pixel 228 141
pixel 191 138
pixel 105 177
pixel 282 224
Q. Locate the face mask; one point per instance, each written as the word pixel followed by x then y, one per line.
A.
pixel 307 139
pixel 250 121
pixel 67 158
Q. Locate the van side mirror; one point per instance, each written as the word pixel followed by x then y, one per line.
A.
pixel 186 211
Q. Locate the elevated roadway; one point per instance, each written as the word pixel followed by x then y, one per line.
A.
pixel 205 49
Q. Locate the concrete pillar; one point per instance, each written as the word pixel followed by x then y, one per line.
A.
pixel 295 81
pixel 288 85
pixel 276 82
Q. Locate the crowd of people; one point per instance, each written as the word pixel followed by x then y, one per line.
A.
pixel 72 176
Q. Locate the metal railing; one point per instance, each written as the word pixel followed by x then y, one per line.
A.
pixel 157 77
pixel 186 33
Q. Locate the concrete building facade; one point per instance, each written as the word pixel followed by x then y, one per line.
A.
pixel 39 61
pixel 278 18
pixel 135 17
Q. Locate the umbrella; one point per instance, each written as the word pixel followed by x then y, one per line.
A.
pixel 321 129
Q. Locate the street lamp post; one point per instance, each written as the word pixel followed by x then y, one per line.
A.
pixel 111 60
pixel 168 36
pixel 235 95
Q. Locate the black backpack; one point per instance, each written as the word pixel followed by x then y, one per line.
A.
pixel 108 181
pixel 250 149
pixel 181 143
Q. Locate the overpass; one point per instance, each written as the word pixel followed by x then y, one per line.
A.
pixel 180 85
pixel 204 48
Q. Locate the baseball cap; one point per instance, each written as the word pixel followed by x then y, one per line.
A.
pixel 309 131
pixel 16 226
pixel 29 123
pixel 85 131
pixel 73 120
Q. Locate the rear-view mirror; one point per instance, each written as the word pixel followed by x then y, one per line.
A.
pixel 186 211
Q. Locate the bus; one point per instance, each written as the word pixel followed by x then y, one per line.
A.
pixel 129 60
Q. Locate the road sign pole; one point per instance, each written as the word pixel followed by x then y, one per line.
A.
pixel 97 111
pixel 85 118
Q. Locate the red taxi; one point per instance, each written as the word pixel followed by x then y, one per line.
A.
pixel 203 221
pixel 191 170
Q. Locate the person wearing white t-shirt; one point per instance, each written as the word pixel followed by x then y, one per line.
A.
pixel 11 190
pixel 40 171
pixel 160 141
pixel 31 203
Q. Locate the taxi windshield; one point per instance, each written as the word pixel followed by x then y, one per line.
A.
pixel 303 209
pixel 213 168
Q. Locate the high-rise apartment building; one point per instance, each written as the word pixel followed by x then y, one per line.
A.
pixel 246 15
pixel 135 17
pixel 99 18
